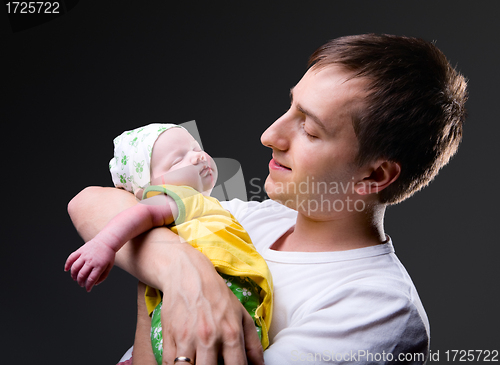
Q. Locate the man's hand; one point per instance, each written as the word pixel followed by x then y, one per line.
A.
pixel 91 263
pixel 202 319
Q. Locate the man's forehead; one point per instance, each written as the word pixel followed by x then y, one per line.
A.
pixel 329 92
pixel 332 77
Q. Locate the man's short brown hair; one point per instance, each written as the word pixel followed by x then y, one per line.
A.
pixel 414 110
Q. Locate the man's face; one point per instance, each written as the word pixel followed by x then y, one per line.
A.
pixel 314 145
pixel 177 159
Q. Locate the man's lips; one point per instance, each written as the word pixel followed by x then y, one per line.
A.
pixel 275 165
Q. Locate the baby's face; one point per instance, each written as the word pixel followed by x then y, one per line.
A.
pixel 177 159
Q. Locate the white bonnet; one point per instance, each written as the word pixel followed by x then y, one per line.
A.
pixel 130 166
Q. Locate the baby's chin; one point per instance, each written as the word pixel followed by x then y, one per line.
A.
pixel 207 189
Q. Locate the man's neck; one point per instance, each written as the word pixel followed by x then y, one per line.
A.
pixel 347 232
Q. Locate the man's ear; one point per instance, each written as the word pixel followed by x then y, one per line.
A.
pixel 382 174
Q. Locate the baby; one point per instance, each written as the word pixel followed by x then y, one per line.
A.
pixel 165 166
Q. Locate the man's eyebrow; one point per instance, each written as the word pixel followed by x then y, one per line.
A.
pixel 308 113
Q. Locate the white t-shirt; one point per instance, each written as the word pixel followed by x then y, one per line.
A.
pixel 357 306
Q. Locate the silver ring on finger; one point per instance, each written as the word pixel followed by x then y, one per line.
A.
pixel 183 359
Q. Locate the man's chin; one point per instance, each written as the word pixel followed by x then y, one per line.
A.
pixel 279 196
pixel 270 188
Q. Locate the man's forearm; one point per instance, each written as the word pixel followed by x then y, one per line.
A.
pixel 143 352
pixel 144 257
pixel 94 207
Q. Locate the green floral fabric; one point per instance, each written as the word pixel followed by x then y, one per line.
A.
pixel 245 289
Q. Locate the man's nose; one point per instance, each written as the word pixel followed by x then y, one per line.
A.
pixel 278 134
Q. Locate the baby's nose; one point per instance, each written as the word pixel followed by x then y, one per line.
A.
pixel 198 157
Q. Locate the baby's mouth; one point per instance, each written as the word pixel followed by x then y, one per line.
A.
pixel 206 171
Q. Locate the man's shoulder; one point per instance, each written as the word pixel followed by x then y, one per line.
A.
pixel 382 275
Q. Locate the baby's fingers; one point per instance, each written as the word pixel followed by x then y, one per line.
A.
pixel 70 260
pixel 104 275
pixel 76 267
pixel 92 279
pixel 84 274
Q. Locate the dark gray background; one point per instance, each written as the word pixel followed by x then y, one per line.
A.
pixel 70 85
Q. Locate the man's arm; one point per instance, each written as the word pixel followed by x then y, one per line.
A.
pixel 94 207
pixel 91 263
pixel 202 317
pixel 143 353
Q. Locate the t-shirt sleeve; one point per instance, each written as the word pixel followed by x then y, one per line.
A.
pixel 361 325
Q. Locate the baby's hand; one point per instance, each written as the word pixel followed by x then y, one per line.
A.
pixel 91 263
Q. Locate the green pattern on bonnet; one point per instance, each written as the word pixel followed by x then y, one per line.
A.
pixel 130 166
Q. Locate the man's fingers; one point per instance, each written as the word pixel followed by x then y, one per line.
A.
pixel 253 346
pixel 169 350
pixel 206 356
pixel 233 348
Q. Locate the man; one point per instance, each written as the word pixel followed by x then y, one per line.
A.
pixel 371 122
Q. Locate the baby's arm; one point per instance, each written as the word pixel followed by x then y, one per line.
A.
pixel 91 263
